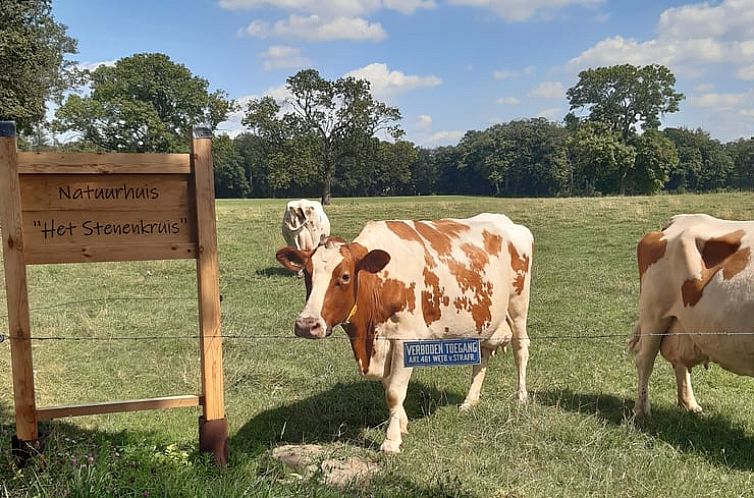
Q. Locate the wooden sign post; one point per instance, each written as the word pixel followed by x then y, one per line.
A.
pixel 97 207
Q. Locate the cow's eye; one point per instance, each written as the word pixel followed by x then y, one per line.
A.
pixel 345 278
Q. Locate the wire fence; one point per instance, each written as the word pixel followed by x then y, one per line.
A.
pixel 248 335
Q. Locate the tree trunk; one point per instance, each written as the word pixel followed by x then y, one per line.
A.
pixel 326 198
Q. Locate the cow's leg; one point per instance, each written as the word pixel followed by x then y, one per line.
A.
pixel 477 378
pixel 396 386
pixel 520 354
pixel 646 346
pixel 686 397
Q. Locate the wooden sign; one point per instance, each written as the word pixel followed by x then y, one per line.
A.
pixel 95 207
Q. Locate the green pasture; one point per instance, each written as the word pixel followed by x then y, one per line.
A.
pixel 576 438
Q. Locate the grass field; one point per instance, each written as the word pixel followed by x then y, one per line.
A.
pixel 576 437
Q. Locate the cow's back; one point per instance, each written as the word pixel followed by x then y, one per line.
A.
pixel 698 270
pixel 463 272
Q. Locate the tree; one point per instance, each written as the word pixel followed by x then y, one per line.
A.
pixel 656 156
pixel 333 120
pixel 33 64
pixel 143 103
pixel 704 163
pixel 601 160
pixel 626 96
pixel 742 152
pixel 230 177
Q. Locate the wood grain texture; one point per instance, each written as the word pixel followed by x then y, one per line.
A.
pixel 208 280
pixel 102 162
pixel 162 403
pixel 17 295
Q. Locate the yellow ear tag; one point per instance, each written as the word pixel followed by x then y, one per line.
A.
pixel 351 314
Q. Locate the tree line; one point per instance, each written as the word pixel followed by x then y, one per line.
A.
pixel 332 137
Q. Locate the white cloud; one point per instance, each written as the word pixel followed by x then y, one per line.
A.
pixel 386 83
pixel 749 113
pixel 548 90
pixel 704 87
pixel 504 74
pixel 232 126
pixel 746 73
pixel 552 113
pixel 445 137
pixel 718 100
pixel 283 57
pixel 522 10
pixel 91 66
pixel 508 101
pixel 316 28
pixel 424 121
pixel 688 39
pixel 332 8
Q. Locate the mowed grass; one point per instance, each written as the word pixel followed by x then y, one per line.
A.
pixel 575 438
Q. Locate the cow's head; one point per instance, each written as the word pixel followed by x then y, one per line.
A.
pixel 331 274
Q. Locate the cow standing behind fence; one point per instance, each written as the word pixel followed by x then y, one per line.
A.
pixel 402 280
pixel 697 286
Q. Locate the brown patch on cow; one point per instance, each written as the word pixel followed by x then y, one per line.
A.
pixel 471 279
pixel 451 228
pixel 432 297
pixel 478 259
pixel 650 250
pixel 438 240
pixel 404 231
pixel 520 267
pixel 376 298
pixel 492 242
pixel 718 253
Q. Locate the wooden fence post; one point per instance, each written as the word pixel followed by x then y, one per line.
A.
pixel 213 428
pixel 26 440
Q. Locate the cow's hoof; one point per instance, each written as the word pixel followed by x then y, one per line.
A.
pixel 390 447
pixel 466 406
pixel 695 408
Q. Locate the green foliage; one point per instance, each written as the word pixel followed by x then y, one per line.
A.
pixel 33 64
pixel 656 156
pixel 704 164
pixel 742 153
pixel 323 124
pixel 601 160
pixel 520 158
pixel 144 103
pixel 230 177
pixel 626 96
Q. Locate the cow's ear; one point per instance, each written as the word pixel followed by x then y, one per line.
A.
pixel 292 258
pixel 374 261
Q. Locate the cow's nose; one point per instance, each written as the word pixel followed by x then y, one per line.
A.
pixel 307 326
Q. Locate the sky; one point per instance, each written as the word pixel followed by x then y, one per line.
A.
pixel 448 65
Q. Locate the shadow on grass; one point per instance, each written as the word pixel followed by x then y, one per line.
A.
pixel 711 436
pixel 341 413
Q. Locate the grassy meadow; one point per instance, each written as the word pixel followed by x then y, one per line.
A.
pixel 576 438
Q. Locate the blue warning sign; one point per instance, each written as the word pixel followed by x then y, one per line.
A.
pixel 432 353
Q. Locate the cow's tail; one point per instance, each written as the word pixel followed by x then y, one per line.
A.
pixel 633 342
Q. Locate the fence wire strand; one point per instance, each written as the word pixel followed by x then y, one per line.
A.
pixel 6 337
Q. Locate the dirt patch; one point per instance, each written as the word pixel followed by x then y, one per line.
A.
pixel 310 460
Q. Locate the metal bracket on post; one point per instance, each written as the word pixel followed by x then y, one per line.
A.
pixel 213 438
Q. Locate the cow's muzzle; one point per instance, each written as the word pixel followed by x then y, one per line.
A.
pixel 311 327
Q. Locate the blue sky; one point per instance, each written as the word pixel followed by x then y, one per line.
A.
pixel 449 65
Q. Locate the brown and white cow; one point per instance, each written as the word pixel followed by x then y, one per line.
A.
pixel 697 284
pixel 402 280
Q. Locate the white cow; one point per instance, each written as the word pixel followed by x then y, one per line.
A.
pixel 305 224
pixel 697 284
pixel 405 279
